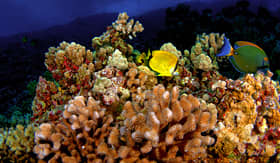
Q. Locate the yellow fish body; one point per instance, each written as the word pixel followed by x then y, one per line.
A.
pixel 163 62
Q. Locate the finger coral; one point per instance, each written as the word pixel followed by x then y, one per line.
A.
pixel 80 137
pixel 17 144
pixel 169 126
pixel 139 79
pixel 114 38
pixel 203 53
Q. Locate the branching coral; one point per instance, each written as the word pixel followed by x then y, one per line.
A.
pixel 114 38
pixel 71 66
pixel 79 138
pixel 139 79
pixel 110 86
pixel 47 98
pixel 203 53
pixel 16 144
pixel 169 126
pixel 128 29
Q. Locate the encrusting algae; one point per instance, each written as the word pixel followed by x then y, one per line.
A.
pixel 107 105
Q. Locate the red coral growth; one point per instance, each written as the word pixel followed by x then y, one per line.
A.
pixel 71 66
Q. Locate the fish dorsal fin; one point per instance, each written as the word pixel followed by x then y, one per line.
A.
pixel 239 44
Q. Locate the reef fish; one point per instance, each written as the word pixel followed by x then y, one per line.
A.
pixel 163 62
pixel 246 57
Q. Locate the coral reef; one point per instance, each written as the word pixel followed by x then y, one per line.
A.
pixel 103 107
pixel 248 111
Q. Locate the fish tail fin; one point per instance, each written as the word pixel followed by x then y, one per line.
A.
pixel 226 50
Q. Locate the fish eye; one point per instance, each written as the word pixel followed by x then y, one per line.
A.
pixel 235 53
pixel 265 59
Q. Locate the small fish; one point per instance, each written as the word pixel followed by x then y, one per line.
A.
pixel 24 39
pixel 163 62
pixel 246 57
pixel 142 58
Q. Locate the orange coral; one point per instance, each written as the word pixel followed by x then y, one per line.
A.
pixel 168 125
pixel 81 135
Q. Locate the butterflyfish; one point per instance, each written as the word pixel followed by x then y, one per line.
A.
pixel 163 62
pixel 246 57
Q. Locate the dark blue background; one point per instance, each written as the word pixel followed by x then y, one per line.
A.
pixel 27 15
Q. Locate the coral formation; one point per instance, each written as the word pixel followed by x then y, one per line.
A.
pixel 114 38
pixel 109 86
pixel 16 144
pixel 168 127
pixel 246 107
pixel 80 136
pixel 169 47
pixel 117 60
pixel 47 101
pixel 203 54
pixel 71 66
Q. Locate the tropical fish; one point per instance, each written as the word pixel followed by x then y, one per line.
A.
pixel 246 57
pixel 163 62
pixel 142 58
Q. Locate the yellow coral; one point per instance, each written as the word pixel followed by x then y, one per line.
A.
pixel 17 143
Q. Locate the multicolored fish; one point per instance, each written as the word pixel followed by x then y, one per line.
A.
pixel 163 62
pixel 246 57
